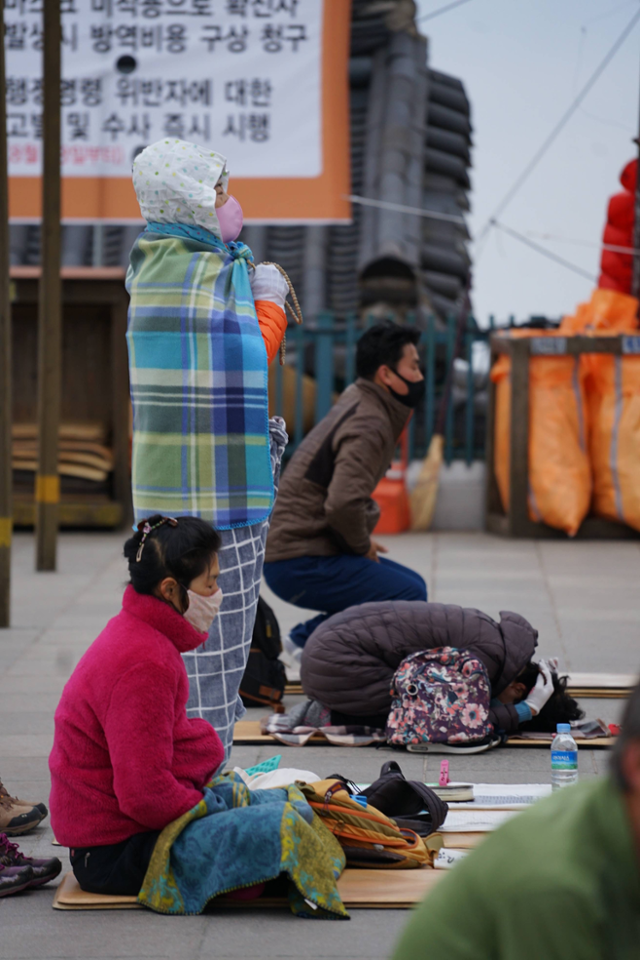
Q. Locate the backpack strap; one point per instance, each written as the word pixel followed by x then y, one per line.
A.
pixel 398 801
pixel 391 766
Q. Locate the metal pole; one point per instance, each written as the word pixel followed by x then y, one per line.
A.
pixel 49 301
pixel 5 368
pixel 98 245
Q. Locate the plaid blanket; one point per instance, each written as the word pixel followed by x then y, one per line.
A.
pixel 310 719
pixel 198 370
pixel 238 838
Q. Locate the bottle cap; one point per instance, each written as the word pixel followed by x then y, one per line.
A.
pixel 563 727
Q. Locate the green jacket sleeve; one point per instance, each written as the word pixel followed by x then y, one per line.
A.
pixel 463 922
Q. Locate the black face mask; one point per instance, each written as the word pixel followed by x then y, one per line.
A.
pixel 416 392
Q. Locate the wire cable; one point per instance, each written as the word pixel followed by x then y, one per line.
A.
pixel 401 208
pixel 436 13
pixel 533 163
pixel 631 251
pixel 544 252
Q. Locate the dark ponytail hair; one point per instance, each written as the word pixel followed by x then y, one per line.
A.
pixel 182 549
pixel 559 708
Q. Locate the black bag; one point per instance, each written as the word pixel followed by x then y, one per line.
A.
pixel 410 803
pixel 264 677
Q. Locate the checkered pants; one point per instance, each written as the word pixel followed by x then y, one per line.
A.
pixel 215 670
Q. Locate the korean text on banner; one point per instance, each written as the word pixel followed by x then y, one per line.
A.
pixel 263 82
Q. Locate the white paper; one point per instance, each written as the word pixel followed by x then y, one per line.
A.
pixel 447 858
pixel 516 796
pixel 475 821
pixel 241 76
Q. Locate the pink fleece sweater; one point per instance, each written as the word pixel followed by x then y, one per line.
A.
pixel 125 756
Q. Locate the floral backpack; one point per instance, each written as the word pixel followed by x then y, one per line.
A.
pixel 439 696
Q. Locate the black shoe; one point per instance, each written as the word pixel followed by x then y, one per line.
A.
pixel 42 870
pixel 14 879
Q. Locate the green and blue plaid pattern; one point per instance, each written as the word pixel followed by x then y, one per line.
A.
pixel 198 371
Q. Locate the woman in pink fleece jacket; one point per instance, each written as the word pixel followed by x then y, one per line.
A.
pixel 126 760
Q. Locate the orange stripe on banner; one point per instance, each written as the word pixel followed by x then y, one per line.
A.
pixel 273 198
pixel 47 488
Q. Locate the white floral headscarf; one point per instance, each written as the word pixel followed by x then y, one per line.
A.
pixel 175 182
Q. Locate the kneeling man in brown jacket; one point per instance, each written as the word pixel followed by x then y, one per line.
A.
pixel 320 554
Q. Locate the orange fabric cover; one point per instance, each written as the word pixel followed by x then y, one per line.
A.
pixel 273 324
pixel 559 473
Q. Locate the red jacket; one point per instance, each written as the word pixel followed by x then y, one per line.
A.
pixel 125 756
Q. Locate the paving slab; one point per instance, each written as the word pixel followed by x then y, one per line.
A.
pixel 582 597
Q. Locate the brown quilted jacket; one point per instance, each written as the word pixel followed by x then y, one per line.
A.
pixel 324 504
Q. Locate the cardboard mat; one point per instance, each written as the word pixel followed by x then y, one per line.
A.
pixel 248 732
pixel 583 685
pixel 359 889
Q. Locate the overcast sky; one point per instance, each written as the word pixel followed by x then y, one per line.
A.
pixel 522 63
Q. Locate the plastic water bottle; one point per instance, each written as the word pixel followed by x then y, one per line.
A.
pixel 564 758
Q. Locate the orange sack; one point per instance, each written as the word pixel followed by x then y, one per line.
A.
pixel 559 473
pixel 615 439
pixel 613 387
pixel 606 312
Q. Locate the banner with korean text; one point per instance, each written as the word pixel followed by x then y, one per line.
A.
pixel 264 82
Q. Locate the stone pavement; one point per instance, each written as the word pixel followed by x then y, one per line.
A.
pixel 581 596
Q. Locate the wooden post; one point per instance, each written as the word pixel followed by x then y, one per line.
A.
pixel 49 302
pixel 120 407
pixel 5 368
pixel 519 440
pixel 493 504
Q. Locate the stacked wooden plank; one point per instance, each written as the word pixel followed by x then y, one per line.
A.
pixel 85 461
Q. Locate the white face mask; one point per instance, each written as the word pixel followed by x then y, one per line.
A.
pixel 202 611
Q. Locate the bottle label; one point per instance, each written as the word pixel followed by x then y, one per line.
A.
pixel 564 759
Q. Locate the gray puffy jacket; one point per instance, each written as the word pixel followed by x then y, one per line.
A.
pixel 349 660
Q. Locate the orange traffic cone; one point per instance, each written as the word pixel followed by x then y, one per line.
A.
pixel 391 494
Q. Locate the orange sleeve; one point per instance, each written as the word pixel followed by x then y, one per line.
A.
pixel 273 323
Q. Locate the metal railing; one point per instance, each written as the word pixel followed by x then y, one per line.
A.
pixel 323 350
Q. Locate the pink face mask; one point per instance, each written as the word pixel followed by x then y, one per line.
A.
pixel 202 611
pixel 230 220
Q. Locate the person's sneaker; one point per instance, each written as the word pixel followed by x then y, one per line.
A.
pixel 43 870
pixel 23 803
pixel 17 818
pixel 14 879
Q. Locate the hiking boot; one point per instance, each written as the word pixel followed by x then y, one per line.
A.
pixel 14 879
pixel 43 870
pixel 23 803
pixel 16 817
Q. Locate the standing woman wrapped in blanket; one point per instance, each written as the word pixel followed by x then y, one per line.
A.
pixel 204 324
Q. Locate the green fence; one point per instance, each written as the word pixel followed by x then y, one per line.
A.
pixel 325 349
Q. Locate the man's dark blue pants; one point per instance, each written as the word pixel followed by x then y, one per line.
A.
pixel 332 584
